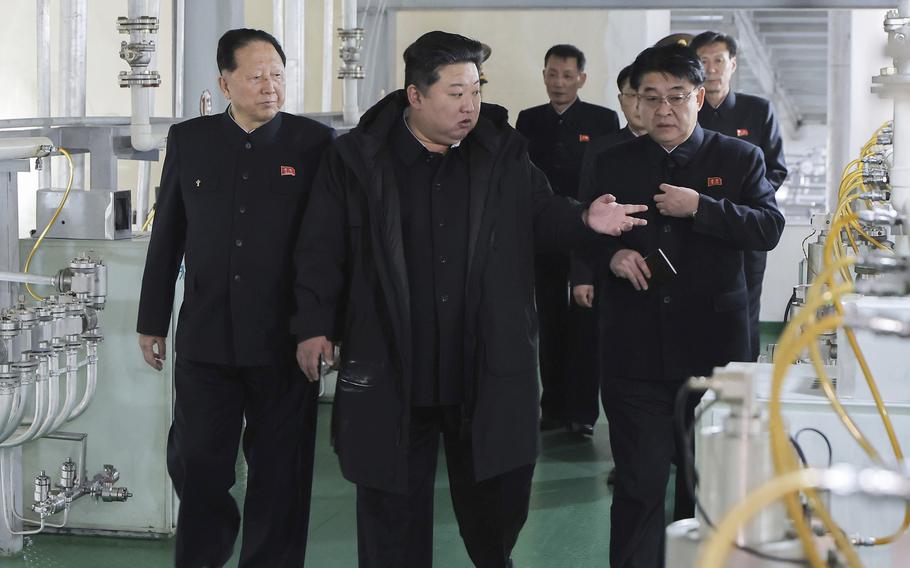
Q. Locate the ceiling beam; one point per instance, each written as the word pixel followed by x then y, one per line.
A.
pixel 626 5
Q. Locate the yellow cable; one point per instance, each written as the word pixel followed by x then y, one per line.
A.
pixel 148 220
pixel 715 552
pixel 66 194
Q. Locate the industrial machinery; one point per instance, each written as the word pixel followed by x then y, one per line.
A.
pixel 834 389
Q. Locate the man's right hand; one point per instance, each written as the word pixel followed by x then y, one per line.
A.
pixel 154 350
pixel 629 264
pixel 308 352
pixel 584 295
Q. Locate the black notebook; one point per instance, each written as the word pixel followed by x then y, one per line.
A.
pixel 662 270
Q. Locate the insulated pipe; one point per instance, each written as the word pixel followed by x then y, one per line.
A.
pixel 24 148
pixel 72 366
pixel 40 409
pixel 143 188
pixel 72 71
pixel 8 403
pixel 328 34
pixel 179 43
pixel 53 395
pixel 350 111
pixel 91 381
pixel 22 278
pixel 15 417
pixel 143 136
pixel 44 79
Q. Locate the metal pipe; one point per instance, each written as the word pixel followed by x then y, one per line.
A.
pixel 278 20
pixel 72 72
pixel 294 37
pixel 7 406
pixel 143 197
pixel 23 148
pixel 27 278
pixel 15 418
pixel 44 79
pixel 40 410
pixel 328 34
pixel 179 65
pixel 143 135
pixel 350 110
pixel 72 366
pixel 53 396
pixel 91 380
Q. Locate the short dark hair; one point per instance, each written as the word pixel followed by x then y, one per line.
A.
pixel 676 60
pixel 566 51
pixel 232 40
pixel 709 37
pixel 623 76
pixel 432 50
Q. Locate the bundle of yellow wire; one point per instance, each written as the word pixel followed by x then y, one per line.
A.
pixel 801 334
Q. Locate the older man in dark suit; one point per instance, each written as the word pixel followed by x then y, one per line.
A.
pixel 710 203
pixel 233 190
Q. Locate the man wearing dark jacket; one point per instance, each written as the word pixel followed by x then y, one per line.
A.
pixel 558 134
pixel 748 118
pixel 711 203
pixel 233 189
pixel 417 253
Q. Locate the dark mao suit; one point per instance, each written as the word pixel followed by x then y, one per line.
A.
pixel 654 340
pixel 752 119
pixel 557 144
pixel 230 207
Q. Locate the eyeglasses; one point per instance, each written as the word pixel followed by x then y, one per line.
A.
pixel 654 101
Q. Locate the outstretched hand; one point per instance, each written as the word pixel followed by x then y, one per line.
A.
pixel 611 218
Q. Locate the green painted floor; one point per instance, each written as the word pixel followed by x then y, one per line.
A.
pixel 568 526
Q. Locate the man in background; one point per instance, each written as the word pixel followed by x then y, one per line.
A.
pixel 559 133
pixel 748 118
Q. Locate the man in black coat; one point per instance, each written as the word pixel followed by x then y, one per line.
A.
pixel 233 190
pixel 748 118
pixel 711 203
pixel 558 134
pixel 417 254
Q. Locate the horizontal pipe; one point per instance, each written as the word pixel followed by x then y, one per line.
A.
pixel 23 148
pixel 23 278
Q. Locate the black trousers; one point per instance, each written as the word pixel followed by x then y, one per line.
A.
pixel 396 530
pixel 279 406
pixel 567 348
pixel 644 445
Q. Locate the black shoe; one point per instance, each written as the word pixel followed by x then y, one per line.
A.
pixel 611 477
pixel 579 428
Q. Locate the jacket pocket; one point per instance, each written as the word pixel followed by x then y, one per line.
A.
pixel 358 375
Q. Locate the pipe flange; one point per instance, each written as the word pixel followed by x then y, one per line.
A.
pixel 93 336
pixel 8 328
pixel 7 372
pixel 8 386
pixel 139 78
pixel 141 24
pixel 74 341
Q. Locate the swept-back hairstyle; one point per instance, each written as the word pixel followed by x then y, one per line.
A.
pixel 709 37
pixel 675 60
pixel 566 51
pixel 432 50
pixel 232 40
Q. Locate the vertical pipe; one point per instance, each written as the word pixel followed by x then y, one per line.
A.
pixel 143 197
pixel 900 169
pixel 840 45
pixel 294 39
pixel 278 20
pixel 72 71
pixel 349 84
pixel 179 30
pixel 44 79
pixel 328 33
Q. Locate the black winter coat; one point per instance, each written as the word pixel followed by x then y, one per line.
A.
pixel 352 286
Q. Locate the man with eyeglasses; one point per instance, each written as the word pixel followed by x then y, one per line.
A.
pixel 710 202
pixel 748 118
pixel 558 133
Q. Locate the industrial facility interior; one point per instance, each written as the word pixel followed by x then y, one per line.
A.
pixel 92 87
